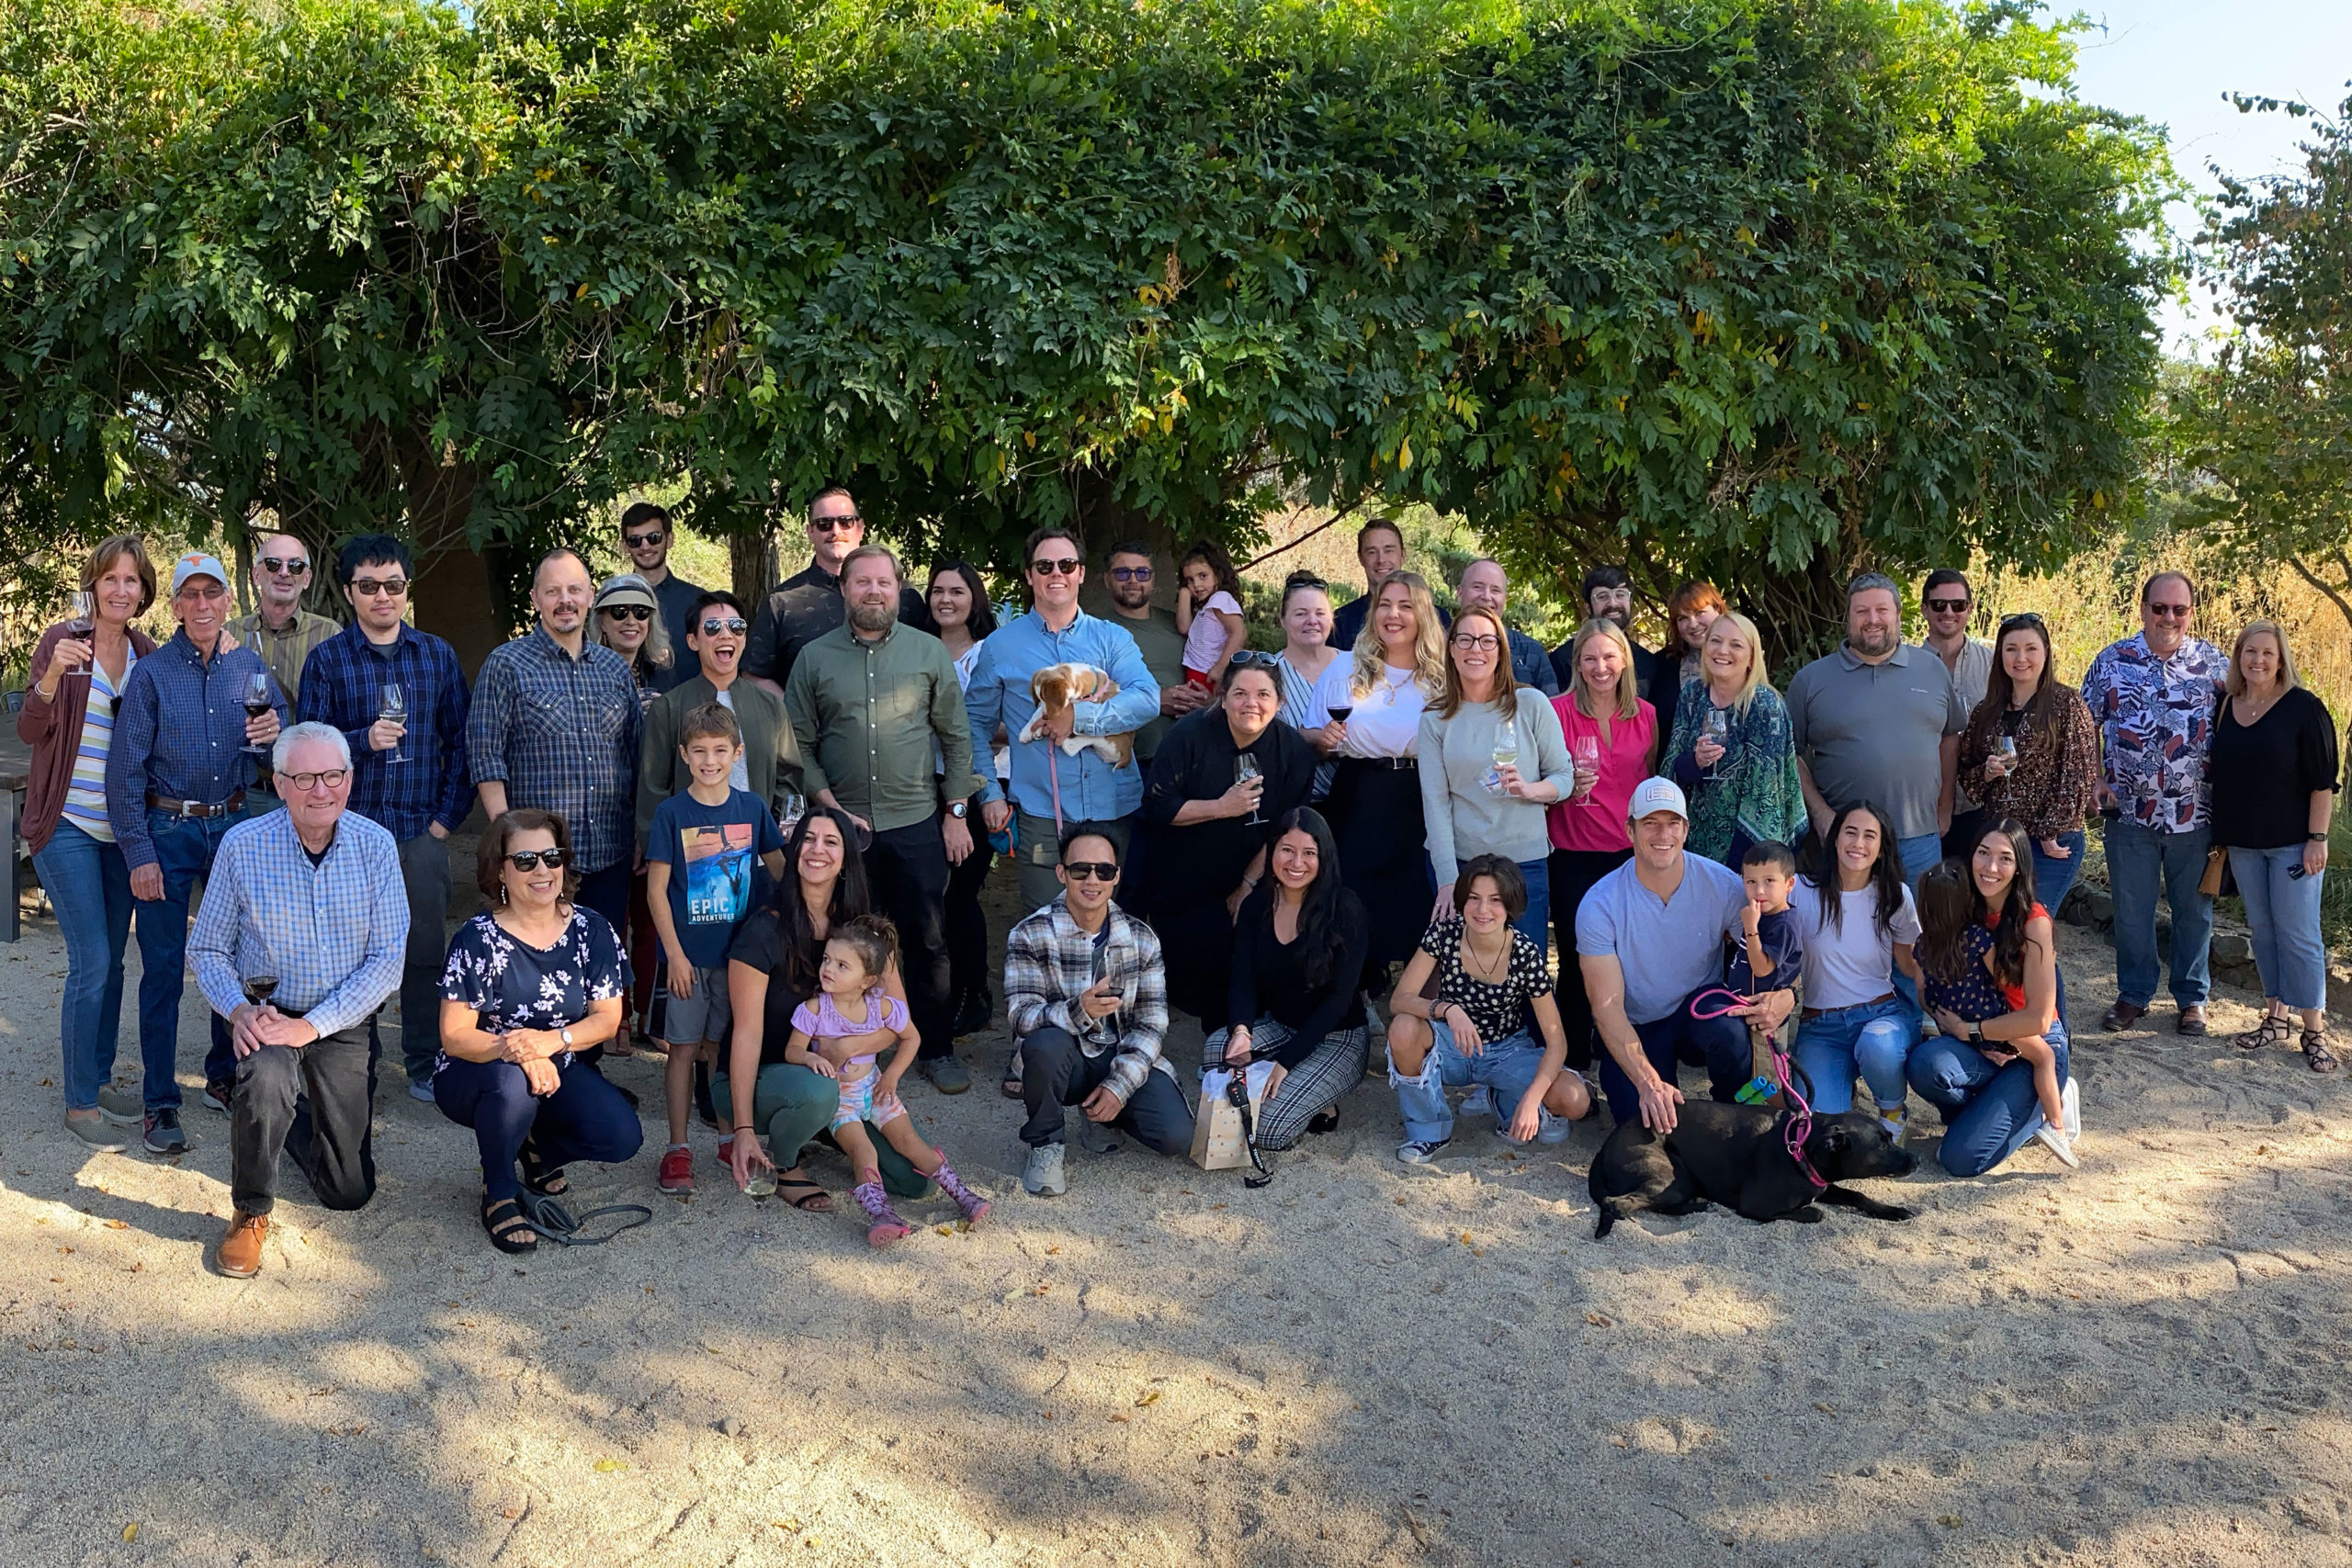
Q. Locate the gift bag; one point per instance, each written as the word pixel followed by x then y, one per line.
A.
pixel 1217 1139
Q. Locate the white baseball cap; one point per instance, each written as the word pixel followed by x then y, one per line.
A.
pixel 1653 795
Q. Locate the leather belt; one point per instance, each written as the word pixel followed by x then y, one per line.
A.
pixel 197 808
pixel 1816 1012
pixel 1393 764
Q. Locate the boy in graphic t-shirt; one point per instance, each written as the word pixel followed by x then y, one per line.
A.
pixel 703 860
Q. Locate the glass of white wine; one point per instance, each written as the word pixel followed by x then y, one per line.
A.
pixel 1245 768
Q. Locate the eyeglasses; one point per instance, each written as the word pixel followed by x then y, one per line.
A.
pixel 2175 612
pixel 295 566
pixel 1096 870
pixel 629 612
pixel 1482 641
pixel 207 595
pixel 1131 574
pixel 531 860
pixel 368 587
pixel 1250 658
pixel 731 624
pixel 849 524
pixel 1946 606
pixel 643 541
pixel 331 777
pixel 1067 565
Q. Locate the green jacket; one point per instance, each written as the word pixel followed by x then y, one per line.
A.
pixel 770 756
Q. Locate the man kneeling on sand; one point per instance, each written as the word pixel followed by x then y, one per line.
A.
pixel 1087 997
pixel 301 937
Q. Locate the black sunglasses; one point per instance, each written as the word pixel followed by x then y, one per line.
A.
pixel 731 623
pixel 368 587
pixel 293 568
pixel 1250 658
pixel 1067 565
pixel 836 525
pixel 642 541
pixel 629 612
pixel 1945 606
pixel 531 860
pixel 1099 870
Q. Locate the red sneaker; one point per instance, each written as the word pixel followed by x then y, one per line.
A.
pixel 677 1171
pixel 725 1156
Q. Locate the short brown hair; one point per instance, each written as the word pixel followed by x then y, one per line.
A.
pixel 865 552
pixel 1379 526
pixel 1511 883
pixel 490 855
pixel 111 550
pixel 707 721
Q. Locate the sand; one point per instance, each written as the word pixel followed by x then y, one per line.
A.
pixel 2138 1362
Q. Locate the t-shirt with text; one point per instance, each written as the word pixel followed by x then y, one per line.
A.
pixel 715 879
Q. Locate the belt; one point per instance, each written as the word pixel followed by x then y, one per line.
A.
pixel 1393 764
pixel 197 808
pixel 1816 1012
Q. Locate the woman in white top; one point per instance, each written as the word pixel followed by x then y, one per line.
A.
pixel 1307 654
pixel 959 603
pixel 1372 703
pixel 1491 764
pixel 1854 1020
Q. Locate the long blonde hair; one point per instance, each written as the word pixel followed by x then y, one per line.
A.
pixel 1428 644
pixel 1629 698
pixel 2235 684
pixel 1505 697
pixel 1758 676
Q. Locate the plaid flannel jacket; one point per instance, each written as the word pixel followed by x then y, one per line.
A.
pixel 1048 961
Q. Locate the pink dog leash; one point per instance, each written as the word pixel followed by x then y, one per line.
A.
pixel 1796 1126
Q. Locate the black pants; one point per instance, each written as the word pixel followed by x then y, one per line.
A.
pixel 1573 874
pixel 966 925
pixel 1056 1073
pixel 606 892
pixel 316 1103
pixel 909 866
pixel 1963 831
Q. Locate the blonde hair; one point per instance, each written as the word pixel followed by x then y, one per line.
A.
pixel 1629 698
pixel 1505 697
pixel 1758 677
pixel 1428 642
pixel 2235 686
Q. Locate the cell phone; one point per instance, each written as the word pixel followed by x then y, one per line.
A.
pixel 2296 872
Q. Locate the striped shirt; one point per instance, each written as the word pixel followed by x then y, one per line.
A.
pixel 1302 710
pixel 85 797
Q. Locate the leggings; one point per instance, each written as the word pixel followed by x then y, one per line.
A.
pixel 585 1118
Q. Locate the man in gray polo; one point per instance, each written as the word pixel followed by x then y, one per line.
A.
pixel 1881 722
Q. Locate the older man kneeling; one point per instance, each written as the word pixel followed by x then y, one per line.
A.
pixel 298 942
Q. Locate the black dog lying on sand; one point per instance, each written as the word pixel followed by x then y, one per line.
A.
pixel 1734 1155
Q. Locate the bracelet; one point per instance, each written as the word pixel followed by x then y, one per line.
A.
pixel 2314 838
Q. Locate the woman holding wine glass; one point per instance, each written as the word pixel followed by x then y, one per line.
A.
pixel 1307 654
pixel 2030 754
pixel 1493 758
pixel 1222 777
pixel 79 667
pixel 1612 743
pixel 1732 751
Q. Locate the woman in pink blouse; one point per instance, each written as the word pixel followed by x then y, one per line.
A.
pixel 1613 740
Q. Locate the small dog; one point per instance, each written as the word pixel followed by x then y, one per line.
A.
pixel 1055 687
pixel 1734 1155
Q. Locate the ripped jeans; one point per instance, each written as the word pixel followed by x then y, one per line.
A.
pixel 1508 1066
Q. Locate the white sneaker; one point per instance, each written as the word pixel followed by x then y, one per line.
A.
pixel 1895 1121
pixel 1551 1129
pixel 1478 1102
pixel 2071 1103
pixel 1043 1173
pixel 2055 1142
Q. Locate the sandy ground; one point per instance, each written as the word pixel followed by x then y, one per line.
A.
pixel 2139 1362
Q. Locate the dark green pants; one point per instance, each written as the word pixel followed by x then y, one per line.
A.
pixel 790 1105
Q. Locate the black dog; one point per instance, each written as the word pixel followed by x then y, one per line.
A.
pixel 1735 1154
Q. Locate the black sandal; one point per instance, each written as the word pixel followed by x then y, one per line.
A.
pixel 1324 1121
pixel 804 1195
pixel 509 1231
pixel 540 1179
pixel 2316 1053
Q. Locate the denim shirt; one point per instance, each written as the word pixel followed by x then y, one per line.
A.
pixel 2155 725
pixel 1090 789
pixel 179 732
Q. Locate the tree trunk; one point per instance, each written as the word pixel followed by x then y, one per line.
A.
pixel 752 564
pixel 1103 522
pixel 456 595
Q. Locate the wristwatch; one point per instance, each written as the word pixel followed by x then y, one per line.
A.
pixel 564 1034
pixel 2314 838
pixel 959 809
pixel 1976 1035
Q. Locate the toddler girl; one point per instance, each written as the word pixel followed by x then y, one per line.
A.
pixel 1955 954
pixel 839 1033
pixel 1208 611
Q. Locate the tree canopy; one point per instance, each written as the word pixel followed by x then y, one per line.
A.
pixel 1755 288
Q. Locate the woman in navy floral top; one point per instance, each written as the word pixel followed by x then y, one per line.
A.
pixel 529 983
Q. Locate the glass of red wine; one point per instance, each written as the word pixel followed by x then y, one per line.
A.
pixel 257 702
pixel 82 624
pixel 259 989
pixel 1339 714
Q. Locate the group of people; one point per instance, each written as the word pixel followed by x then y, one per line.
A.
pixel 757 839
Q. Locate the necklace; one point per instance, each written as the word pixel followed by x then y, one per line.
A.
pixel 1492 975
pixel 2253 710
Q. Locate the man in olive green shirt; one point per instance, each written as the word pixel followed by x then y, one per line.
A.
pixel 1156 638
pixel 279 630
pixel 869 700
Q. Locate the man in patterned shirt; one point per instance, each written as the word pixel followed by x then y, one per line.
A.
pixel 296 944
pixel 555 726
pixel 2153 697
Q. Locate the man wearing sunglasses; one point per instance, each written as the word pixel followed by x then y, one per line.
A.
pixel 1161 645
pixel 279 630
pixel 408 773
pixel 802 609
pixel 2153 697
pixel 717 631
pixel 646 534
pixel 1050 787
pixel 1949 602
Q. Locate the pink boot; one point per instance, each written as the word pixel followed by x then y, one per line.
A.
pixel 886 1227
pixel 975 1207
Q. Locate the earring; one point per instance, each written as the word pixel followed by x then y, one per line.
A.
pixel 502 893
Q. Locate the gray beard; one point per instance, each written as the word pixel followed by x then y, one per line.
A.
pixel 873 619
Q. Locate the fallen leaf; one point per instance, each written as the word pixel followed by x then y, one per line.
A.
pixel 1150 1396
pixel 1217 1205
pixel 1950 1521
pixel 1466 1238
pixel 1599 1320
pixel 130 1530
pixel 511 1513
pixel 786 1524
pixel 1051 1250
pixel 1121 1417
pixel 1400 1202
pixel 947 1230
pixel 1823 1408
pixel 606 1466
pixel 118 1224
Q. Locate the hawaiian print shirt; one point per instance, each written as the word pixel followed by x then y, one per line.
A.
pixel 2155 725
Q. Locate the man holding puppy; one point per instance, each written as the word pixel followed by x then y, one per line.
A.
pixel 1050 787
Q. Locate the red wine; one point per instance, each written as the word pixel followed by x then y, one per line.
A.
pixel 1341 714
pixel 80 630
pixel 256 707
pixel 260 987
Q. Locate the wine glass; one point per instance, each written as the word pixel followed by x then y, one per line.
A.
pixel 257 702
pixel 84 622
pixel 789 810
pixel 1245 768
pixel 259 989
pixel 2006 748
pixel 393 709
pixel 1587 751
pixel 1718 731
pixel 1339 716
pixel 1506 755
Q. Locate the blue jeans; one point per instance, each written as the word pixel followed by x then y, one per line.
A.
pixel 1506 1067
pixel 585 1118
pixel 1917 855
pixel 184 851
pixel 2052 878
pixel 2138 860
pixel 2282 917
pixel 89 886
pixel 1873 1039
pixel 1988 1112
pixel 1535 925
pixel 1719 1045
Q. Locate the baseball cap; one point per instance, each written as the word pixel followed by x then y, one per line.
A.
pixel 197 563
pixel 628 587
pixel 1656 794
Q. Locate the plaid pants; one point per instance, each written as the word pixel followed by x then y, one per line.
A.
pixel 1311 1086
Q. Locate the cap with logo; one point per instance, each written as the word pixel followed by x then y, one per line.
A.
pixel 197 563
pixel 1655 794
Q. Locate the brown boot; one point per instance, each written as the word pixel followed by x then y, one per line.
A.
pixel 239 1255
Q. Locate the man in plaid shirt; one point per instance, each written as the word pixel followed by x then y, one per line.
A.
pixel 1087 997
pixel 410 774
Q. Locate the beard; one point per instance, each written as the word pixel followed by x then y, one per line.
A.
pixel 1873 640
pixel 1129 596
pixel 1621 619
pixel 873 619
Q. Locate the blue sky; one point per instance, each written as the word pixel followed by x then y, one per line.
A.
pixel 2172 62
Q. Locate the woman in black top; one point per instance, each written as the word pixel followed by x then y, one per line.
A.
pixel 2273 770
pixel 1206 827
pixel 771 970
pixel 1297 954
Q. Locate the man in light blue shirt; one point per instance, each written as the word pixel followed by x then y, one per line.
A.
pixel 1049 785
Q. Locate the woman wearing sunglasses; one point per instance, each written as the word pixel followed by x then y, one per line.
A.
pixel 531 981
pixel 628 621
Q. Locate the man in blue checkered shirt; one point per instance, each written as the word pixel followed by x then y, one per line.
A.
pixel 410 775
pixel 555 726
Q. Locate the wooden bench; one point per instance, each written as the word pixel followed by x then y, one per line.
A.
pixel 16 773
